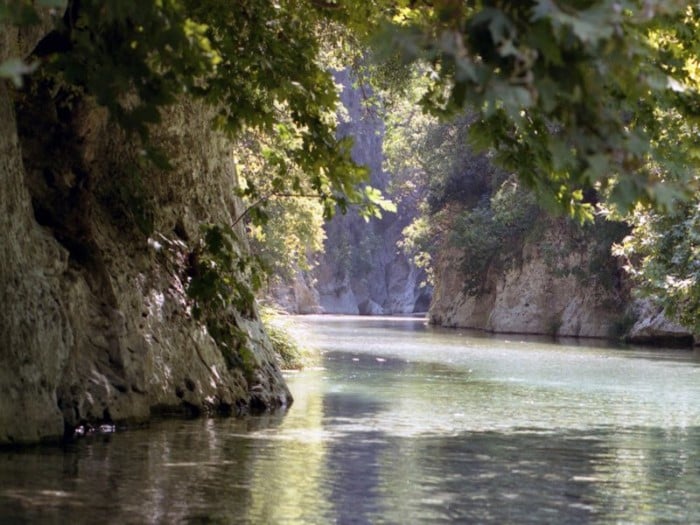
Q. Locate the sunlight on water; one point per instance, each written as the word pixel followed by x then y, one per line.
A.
pixel 438 381
pixel 403 423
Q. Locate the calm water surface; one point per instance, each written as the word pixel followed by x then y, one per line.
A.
pixel 401 423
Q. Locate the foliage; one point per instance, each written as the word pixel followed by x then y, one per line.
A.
pixel 585 100
pixel 256 62
pixel 223 280
pixel 493 233
pixel 292 234
pixel 572 95
pixel 576 95
pixel 663 256
pixel 431 163
pixel 290 354
pixel 21 13
pixel 285 224
pixel 418 242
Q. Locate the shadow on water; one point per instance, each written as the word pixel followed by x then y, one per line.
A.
pixel 352 465
pixel 567 477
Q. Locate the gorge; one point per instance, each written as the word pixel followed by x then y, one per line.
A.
pixel 131 282
pixel 487 213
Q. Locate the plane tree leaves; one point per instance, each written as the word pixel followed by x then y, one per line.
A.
pixel 572 95
pixel 256 62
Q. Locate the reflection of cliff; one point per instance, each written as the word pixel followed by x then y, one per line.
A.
pixel 362 270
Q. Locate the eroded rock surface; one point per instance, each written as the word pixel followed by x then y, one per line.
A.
pixel 554 288
pixel 96 324
pixel 362 270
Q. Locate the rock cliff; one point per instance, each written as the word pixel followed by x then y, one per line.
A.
pixel 562 284
pixel 532 296
pixel 96 326
pixel 362 271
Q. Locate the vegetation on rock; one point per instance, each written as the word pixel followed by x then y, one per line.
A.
pixel 291 355
pixel 663 257
pixel 587 101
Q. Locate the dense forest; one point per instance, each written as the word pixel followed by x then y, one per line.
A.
pixel 165 164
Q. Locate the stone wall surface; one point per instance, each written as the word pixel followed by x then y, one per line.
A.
pixel 96 325
pixel 527 298
pixel 35 335
pixel 362 270
pixel 536 296
pixel 653 326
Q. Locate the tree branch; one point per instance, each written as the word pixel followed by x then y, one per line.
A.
pixel 270 196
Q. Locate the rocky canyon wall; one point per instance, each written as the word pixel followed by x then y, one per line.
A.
pixel 562 284
pixel 96 326
pixel 362 271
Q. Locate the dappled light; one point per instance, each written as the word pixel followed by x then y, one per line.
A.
pixel 340 261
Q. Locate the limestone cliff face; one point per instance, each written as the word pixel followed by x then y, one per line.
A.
pixel 557 288
pixel 534 296
pixel 652 326
pixel 35 336
pixel 96 325
pixel 362 270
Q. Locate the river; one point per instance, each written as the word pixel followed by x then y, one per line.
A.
pixel 403 423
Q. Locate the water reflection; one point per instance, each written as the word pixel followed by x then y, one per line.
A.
pixel 352 468
pixel 402 424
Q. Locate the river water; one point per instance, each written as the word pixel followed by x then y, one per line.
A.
pixel 403 423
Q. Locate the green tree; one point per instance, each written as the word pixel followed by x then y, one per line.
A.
pixel 574 95
pixel 663 257
pixel 256 62
pixel 585 100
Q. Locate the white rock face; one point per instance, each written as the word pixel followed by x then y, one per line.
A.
pixel 362 269
pixel 369 307
pixel 96 324
pixel 652 325
pixel 536 295
pixel 532 297
pixel 337 297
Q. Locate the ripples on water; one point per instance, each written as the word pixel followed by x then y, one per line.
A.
pixel 403 424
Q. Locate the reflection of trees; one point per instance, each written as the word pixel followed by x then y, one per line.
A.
pixel 288 481
pixel 172 472
pixel 624 476
pixel 352 464
pixel 653 473
pixel 493 477
pixel 383 446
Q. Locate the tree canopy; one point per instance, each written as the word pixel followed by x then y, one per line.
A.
pixel 572 95
pixel 577 97
pixel 256 62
